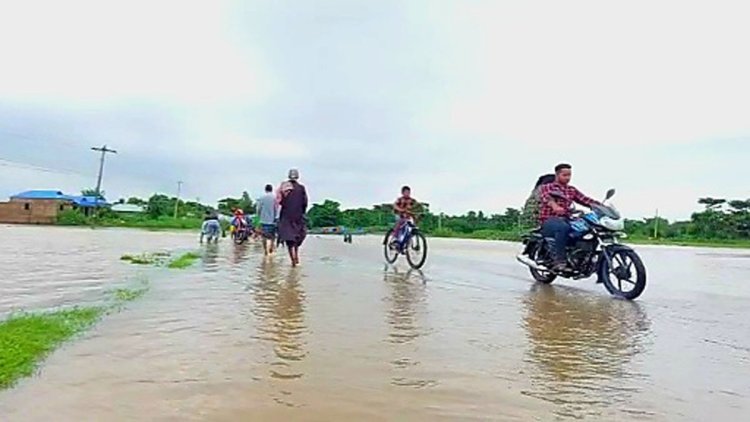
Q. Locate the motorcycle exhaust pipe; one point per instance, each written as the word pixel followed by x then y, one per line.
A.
pixel 525 260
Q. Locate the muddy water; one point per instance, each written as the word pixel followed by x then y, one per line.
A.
pixel 344 338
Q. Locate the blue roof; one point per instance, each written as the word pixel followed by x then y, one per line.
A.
pixel 40 194
pixel 88 201
pixel 81 201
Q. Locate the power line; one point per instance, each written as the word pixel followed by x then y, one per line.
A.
pixel 28 166
pixel 104 150
pixel 33 138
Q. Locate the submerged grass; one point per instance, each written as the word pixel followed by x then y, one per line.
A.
pixel 185 260
pixel 129 295
pixel 156 258
pixel 27 338
pixel 142 259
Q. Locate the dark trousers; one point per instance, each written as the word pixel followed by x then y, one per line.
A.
pixel 559 229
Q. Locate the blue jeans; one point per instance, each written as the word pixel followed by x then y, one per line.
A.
pixel 559 229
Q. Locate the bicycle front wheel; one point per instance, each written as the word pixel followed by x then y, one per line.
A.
pixel 416 250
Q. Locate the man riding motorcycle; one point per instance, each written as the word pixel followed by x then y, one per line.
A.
pixel 556 199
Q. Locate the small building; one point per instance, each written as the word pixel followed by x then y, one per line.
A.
pixel 128 209
pixel 43 206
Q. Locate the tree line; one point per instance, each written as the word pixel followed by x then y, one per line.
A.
pixel 720 219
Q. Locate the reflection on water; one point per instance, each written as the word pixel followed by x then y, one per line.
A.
pixel 406 295
pixel 239 253
pixel 210 258
pixel 406 301
pixel 581 345
pixel 280 309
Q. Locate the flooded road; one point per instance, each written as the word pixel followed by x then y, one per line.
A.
pixel 345 338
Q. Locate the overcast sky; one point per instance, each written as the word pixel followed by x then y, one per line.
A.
pixel 467 101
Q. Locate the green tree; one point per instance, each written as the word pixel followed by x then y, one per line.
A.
pixel 711 203
pixel 326 214
pixel 160 205
pixel 244 202
pixel 740 205
pixel 136 201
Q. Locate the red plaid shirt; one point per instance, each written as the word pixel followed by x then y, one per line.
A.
pixel 406 204
pixel 571 195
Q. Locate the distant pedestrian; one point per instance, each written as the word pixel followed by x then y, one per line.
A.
pixel 292 224
pixel 268 214
pixel 211 227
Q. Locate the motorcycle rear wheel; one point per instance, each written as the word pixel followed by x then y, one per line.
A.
pixel 545 277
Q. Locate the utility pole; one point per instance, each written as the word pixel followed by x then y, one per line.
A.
pixel 177 201
pixel 656 224
pixel 104 150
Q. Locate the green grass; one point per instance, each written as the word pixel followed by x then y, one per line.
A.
pixel 515 236
pixel 28 338
pixel 155 258
pixel 478 234
pixel 128 295
pixel 185 260
pixel 142 259
pixel 161 223
pixel 703 243
pixel 141 221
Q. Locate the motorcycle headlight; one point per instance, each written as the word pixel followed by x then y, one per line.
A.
pixel 612 224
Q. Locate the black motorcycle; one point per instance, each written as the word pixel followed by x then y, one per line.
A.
pixel 593 248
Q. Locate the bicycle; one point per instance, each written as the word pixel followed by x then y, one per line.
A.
pixel 410 242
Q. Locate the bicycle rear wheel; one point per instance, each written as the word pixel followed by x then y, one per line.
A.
pixel 416 250
pixel 391 254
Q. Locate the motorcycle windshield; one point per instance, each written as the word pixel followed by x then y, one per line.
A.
pixel 607 210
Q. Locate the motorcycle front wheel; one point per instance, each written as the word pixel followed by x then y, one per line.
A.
pixel 625 275
pixel 239 238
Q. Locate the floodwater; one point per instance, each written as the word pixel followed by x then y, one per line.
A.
pixel 345 338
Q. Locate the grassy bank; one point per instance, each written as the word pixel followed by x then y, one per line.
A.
pixel 140 221
pixel 702 243
pixel 26 339
pixel 516 236
pixel 479 234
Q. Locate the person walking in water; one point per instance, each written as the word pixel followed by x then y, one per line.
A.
pixel 292 225
pixel 268 214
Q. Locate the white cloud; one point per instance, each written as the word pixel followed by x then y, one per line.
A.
pixel 239 146
pixel 83 51
pixel 466 101
pixel 588 72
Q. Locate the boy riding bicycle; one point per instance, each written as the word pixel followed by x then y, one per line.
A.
pixel 404 210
